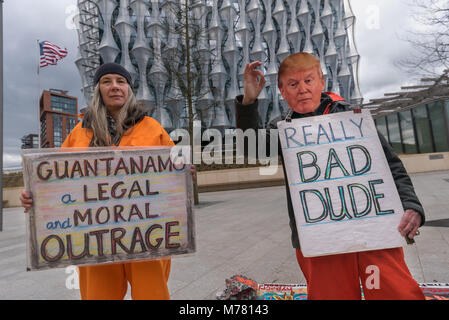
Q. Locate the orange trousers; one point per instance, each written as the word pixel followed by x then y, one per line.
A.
pixel 383 275
pixel 148 280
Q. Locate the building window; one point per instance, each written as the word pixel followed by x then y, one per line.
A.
pixel 436 114
pixel 381 125
pixel 69 125
pixel 43 130
pixel 447 110
pixel 407 131
pixel 394 133
pixel 423 133
pixel 57 130
pixel 63 104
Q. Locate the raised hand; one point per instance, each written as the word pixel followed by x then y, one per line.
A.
pixel 253 82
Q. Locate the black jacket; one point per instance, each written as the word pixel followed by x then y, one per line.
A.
pixel 247 117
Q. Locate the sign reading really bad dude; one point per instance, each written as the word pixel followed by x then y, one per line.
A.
pixel 106 205
pixel 342 190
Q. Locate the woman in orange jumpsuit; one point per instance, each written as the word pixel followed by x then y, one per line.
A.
pixel 114 118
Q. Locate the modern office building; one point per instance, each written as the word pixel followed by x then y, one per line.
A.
pixel 30 141
pixel 415 120
pixel 137 34
pixel 58 116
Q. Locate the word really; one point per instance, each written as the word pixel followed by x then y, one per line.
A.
pixel 329 133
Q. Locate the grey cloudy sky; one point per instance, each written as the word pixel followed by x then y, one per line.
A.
pixel 378 27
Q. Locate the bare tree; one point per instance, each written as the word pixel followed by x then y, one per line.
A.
pixel 431 43
pixel 184 53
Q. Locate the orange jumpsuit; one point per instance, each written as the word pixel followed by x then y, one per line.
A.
pixel 383 275
pixel 148 279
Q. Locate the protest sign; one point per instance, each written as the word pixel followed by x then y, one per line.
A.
pixel 106 205
pixel 342 190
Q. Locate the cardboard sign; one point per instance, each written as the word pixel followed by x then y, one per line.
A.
pixel 342 190
pixel 105 205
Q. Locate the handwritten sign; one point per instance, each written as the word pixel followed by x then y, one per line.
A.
pixel 342 190
pixel 103 205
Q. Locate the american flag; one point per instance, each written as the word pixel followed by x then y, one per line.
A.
pixel 50 54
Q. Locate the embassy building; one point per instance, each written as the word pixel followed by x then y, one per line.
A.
pixel 145 36
pixel 415 120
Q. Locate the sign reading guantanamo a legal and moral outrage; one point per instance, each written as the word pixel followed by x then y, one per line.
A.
pixel 343 194
pixel 105 205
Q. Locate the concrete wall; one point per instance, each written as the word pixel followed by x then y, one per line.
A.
pixel 11 197
pixel 426 162
pixel 232 179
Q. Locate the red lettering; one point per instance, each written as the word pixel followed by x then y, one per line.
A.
pixel 101 191
pixel 76 168
pixel 134 165
pixel 39 173
pixel 88 167
pixel 99 211
pixel 83 254
pixel 114 187
pixel 135 187
pixel 99 235
pixel 78 216
pixel 137 237
pixel 86 198
pixel 148 237
pixel 118 209
pixel 163 165
pixel 169 234
pixel 134 212
pixel 108 165
pixel 117 240
pixel 44 252
pixel 121 166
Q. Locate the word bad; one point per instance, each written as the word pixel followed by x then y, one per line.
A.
pixel 334 161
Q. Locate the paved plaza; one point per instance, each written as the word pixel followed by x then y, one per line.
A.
pixel 238 232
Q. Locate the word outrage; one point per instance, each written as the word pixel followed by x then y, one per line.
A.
pixel 116 239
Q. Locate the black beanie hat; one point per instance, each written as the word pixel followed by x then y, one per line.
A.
pixel 111 68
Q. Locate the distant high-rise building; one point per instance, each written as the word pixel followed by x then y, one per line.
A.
pixel 233 33
pixel 30 141
pixel 58 116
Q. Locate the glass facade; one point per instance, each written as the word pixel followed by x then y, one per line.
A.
pixel 394 132
pixel 70 124
pixel 63 104
pixel 436 112
pixel 57 130
pixel 408 134
pixel 422 129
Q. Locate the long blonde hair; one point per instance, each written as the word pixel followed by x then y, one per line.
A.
pixel 96 117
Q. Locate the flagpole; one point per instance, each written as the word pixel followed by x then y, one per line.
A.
pixel 38 95
pixel 1 113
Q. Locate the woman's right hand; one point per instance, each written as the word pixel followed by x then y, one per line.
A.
pixel 27 200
